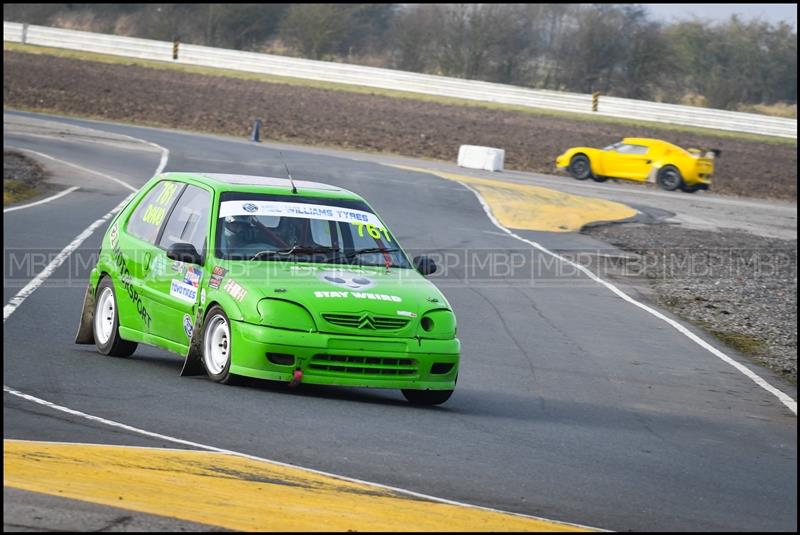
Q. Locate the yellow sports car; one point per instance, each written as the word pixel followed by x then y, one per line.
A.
pixel 643 160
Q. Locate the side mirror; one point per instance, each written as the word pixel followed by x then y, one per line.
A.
pixel 425 265
pixel 185 252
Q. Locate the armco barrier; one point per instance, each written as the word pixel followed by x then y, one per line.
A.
pixel 400 80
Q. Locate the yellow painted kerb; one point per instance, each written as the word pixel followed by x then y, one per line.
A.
pixel 526 207
pixel 237 492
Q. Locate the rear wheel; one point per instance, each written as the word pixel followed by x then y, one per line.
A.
pixel 427 397
pixel 217 347
pixel 670 178
pixel 106 323
pixel 579 167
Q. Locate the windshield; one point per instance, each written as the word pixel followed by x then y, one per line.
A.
pixel 262 228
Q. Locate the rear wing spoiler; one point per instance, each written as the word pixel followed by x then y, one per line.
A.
pixel 706 153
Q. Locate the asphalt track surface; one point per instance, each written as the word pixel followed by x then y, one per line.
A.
pixel 571 404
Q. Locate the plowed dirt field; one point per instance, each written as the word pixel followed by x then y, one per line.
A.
pixel 356 121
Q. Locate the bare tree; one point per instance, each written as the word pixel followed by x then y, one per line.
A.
pixel 613 48
pixel 468 32
pixel 316 29
pixel 592 48
pixel 412 35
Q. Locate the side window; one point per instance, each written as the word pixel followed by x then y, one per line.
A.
pixel 632 149
pixel 148 216
pixel 188 222
pixel 638 149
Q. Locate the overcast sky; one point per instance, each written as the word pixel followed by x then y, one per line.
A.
pixel 719 12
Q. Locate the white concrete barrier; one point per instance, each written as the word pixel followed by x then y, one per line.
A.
pixel 476 157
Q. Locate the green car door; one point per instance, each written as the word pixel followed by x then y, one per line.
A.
pixel 133 248
pixel 174 287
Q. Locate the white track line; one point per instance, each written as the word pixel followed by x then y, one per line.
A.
pixel 86 139
pixel 76 166
pixel 784 398
pixel 168 438
pixel 25 292
pixel 43 201
pixel 39 279
pixel 6 313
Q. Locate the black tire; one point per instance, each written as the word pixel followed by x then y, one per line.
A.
pixel 599 178
pixel 114 345
pixel 218 322
pixel 669 178
pixel 690 189
pixel 427 397
pixel 579 167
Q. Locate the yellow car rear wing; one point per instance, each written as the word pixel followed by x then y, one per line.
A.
pixel 706 153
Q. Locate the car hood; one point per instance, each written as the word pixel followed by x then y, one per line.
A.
pixel 342 293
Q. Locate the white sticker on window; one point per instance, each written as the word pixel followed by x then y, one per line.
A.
pixel 294 209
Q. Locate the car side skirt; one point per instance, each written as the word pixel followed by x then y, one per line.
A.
pixel 150 339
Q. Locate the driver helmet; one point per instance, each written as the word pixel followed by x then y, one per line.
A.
pixel 238 227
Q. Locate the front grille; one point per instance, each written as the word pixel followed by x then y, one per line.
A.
pixel 369 366
pixel 366 321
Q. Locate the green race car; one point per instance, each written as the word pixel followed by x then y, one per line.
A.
pixel 263 277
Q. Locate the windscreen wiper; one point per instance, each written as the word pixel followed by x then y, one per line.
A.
pixel 295 250
pixel 353 254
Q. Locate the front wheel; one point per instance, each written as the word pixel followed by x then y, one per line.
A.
pixel 579 167
pixel 106 323
pixel 670 178
pixel 217 347
pixel 427 397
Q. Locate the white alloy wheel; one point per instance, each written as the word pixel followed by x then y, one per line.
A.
pixel 217 345
pixel 104 317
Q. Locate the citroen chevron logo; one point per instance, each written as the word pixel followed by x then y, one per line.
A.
pixel 366 322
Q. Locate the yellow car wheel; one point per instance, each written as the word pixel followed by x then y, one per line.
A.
pixel 579 167
pixel 670 178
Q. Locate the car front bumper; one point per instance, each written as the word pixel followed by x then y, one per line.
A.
pixel 334 359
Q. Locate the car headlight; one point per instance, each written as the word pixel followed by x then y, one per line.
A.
pixel 285 315
pixel 438 324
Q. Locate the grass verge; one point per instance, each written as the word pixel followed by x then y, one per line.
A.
pixel 22 178
pixel 15 191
